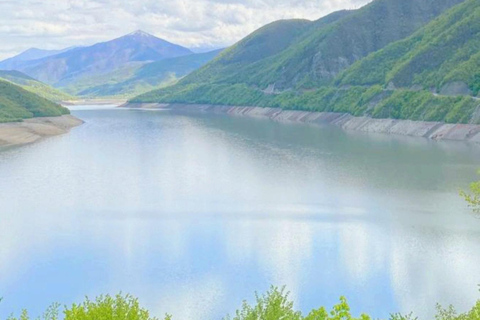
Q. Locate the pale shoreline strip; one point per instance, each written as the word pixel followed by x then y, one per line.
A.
pixel 32 130
pixel 426 129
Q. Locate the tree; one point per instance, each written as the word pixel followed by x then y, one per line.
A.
pixel 473 197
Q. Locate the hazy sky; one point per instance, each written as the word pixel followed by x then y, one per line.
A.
pixel 55 24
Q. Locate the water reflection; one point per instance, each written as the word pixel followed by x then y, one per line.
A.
pixel 194 214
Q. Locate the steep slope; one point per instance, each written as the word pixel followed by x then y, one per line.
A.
pixel 239 62
pixel 17 104
pixel 444 56
pixel 316 55
pixel 29 55
pixel 101 58
pixel 34 86
pixel 449 53
pixel 137 79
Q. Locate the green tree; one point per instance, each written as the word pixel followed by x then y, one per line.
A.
pixel 105 307
pixel 473 196
pixel 273 305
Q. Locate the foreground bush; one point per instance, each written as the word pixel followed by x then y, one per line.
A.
pixel 473 198
pixel 273 305
pixel 120 307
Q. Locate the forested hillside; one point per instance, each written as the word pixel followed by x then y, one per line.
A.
pixel 137 79
pixel 301 54
pixel 17 104
pixel 34 86
pixel 383 60
pixel 443 56
pixel 124 67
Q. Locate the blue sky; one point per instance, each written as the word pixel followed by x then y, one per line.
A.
pixel 54 24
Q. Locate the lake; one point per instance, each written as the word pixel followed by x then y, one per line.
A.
pixel 194 213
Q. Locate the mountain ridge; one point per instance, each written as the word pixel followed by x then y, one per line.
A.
pixel 17 103
pixel 281 81
pixel 336 42
pixel 29 55
pixel 141 78
pixel 443 57
pixel 30 84
pixel 101 57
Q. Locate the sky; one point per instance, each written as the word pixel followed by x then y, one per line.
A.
pixel 197 24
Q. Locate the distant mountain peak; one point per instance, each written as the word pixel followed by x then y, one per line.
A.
pixel 29 55
pixel 100 58
pixel 32 49
pixel 140 33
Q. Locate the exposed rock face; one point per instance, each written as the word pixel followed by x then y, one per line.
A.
pixel 430 130
pixel 457 88
pixel 270 89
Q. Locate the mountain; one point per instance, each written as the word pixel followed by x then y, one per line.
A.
pixel 444 57
pixel 29 55
pixel 315 55
pixel 241 58
pixel 34 86
pixel 17 104
pixel 101 58
pixel 376 61
pixel 139 78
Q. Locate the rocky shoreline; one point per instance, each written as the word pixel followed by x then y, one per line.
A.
pixel 32 130
pixel 430 130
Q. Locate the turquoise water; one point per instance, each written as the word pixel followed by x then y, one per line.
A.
pixel 193 214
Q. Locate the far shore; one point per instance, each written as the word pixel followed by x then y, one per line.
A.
pixel 93 102
pixel 32 130
pixel 425 129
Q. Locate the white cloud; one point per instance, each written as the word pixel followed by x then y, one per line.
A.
pixel 53 24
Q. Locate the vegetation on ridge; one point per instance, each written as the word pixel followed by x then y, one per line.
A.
pixel 34 86
pixel 17 104
pixel 358 101
pixel 137 78
pixel 444 52
pixel 312 54
pixel 384 84
pixel 273 305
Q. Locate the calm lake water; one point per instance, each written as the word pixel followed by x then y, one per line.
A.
pixel 193 214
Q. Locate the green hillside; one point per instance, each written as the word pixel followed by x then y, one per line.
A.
pixel 135 79
pixel 372 101
pixel 249 59
pixel 445 55
pixel 17 104
pixel 34 86
pixel 313 54
pixel 395 81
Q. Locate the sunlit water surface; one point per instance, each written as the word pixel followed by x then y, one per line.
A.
pixel 193 214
